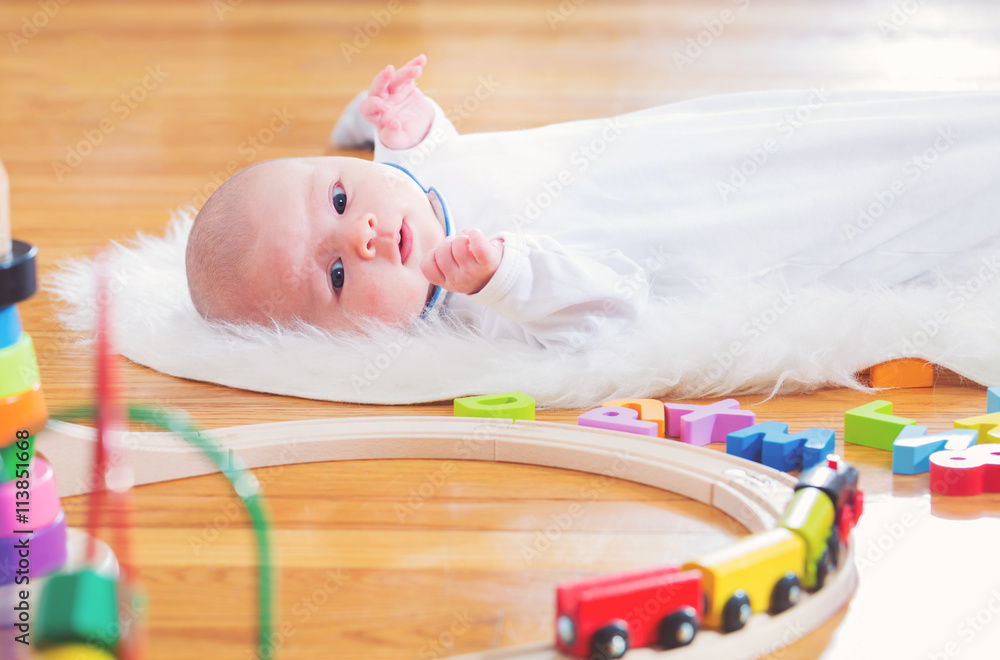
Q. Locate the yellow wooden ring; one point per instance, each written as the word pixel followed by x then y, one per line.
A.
pixel 22 412
pixel 18 367
pixel 75 652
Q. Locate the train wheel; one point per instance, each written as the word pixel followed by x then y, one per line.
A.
pixel 611 641
pixel 679 628
pixel 736 612
pixel 787 592
pixel 823 569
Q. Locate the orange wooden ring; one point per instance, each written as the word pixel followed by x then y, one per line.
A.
pixel 24 411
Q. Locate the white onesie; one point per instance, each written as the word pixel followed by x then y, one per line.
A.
pixel 788 189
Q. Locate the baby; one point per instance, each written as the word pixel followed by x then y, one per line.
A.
pixel 335 241
pixel 559 235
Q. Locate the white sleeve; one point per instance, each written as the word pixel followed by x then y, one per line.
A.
pixel 546 294
pixel 442 131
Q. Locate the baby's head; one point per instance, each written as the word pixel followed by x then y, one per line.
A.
pixel 328 241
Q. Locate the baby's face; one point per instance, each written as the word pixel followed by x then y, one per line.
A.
pixel 337 238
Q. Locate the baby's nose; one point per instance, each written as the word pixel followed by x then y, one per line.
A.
pixel 364 236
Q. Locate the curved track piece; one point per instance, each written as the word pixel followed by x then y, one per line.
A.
pixel 751 493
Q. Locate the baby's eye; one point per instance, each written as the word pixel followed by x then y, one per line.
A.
pixel 339 199
pixel 337 276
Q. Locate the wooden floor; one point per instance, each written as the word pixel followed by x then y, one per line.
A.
pixel 114 113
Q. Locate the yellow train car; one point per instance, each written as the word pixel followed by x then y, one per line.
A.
pixel 760 573
pixel 810 515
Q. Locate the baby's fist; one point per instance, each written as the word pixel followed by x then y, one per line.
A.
pixel 463 263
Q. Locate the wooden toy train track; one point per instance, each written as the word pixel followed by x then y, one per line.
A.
pixel 752 494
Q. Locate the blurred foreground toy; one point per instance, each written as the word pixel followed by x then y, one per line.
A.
pixel 87 611
pixel 34 540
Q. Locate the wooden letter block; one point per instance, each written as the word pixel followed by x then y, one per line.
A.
pixel 820 443
pixel 748 443
pixel 617 419
pixel 993 400
pixel 700 425
pixel 968 472
pixel 770 443
pixel 911 452
pixel 649 410
pixel 510 405
pixel 873 425
pixel 985 424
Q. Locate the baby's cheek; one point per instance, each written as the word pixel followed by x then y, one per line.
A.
pixel 398 302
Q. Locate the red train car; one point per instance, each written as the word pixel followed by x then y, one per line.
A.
pixel 606 616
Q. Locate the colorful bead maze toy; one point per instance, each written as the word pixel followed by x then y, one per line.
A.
pixel 36 547
pixel 89 610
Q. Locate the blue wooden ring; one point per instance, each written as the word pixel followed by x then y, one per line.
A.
pixel 10 326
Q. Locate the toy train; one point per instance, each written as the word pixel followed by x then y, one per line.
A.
pixel 602 618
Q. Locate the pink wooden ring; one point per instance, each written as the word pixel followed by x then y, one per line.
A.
pixel 43 503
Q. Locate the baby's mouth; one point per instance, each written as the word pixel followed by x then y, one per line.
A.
pixel 405 242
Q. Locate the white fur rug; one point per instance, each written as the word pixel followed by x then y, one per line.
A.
pixel 725 342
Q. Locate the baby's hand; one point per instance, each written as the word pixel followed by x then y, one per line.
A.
pixel 400 112
pixel 463 263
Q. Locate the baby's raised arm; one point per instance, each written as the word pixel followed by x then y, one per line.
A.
pixel 401 114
